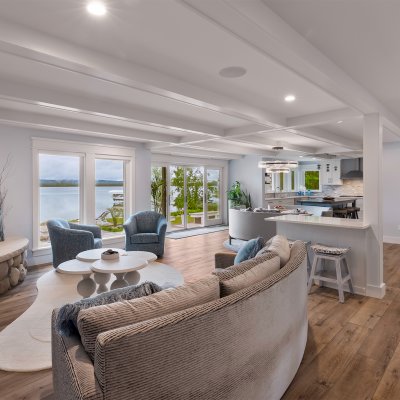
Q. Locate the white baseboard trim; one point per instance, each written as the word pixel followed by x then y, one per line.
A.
pixel 370 291
pixel 391 239
pixel 376 291
pixel 357 289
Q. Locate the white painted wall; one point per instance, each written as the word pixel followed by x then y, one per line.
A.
pixel 246 171
pixel 17 142
pixel 391 192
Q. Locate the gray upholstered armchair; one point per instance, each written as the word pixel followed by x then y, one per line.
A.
pixel 145 231
pixel 68 240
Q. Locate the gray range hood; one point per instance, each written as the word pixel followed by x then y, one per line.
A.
pixel 353 173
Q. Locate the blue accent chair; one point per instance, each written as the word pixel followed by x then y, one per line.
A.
pixel 68 239
pixel 145 231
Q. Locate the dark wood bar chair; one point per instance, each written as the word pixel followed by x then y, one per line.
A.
pixel 340 212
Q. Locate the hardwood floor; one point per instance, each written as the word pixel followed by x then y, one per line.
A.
pixel 352 353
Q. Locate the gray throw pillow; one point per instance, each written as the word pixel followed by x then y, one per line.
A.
pixel 66 323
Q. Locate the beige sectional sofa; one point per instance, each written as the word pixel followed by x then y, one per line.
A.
pixel 245 345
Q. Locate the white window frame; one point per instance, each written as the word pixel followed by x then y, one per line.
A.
pixel 161 160
pixel 311 167
pixel 89 153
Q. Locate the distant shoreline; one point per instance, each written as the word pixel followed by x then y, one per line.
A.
pixel 117 184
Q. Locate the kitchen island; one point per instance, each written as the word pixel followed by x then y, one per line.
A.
pixel 339 232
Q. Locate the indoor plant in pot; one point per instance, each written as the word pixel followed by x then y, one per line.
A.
pixel 238 197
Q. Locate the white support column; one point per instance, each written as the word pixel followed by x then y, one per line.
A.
pixel 372 145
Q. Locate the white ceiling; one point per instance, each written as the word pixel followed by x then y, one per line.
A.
pixel 148 72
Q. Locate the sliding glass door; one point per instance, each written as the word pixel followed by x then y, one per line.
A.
pixel 194 196
pixel 189 196
pixel 213 196
pixel 176 205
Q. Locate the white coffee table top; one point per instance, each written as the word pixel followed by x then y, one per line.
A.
pixel 143 254
pixel 74 267
pixel 123 264
pixel 95 254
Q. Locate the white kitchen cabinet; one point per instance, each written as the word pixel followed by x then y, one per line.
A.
pixel 330 172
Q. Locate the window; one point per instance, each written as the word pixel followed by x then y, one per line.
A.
pixel 110 195
pixel 59 190
pixel 311 180
pixel 81 183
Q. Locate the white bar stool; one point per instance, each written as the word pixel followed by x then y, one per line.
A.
pixel 324 253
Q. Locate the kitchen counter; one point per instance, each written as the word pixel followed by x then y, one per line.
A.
pixel 339 232
pixel 321 221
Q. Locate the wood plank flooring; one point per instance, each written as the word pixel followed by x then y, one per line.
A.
pixel 352 353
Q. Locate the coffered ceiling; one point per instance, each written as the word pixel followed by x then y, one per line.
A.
pixel 148 71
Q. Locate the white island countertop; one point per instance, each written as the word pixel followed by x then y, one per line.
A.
pixel 321 221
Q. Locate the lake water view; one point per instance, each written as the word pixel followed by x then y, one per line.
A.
pixel 63 202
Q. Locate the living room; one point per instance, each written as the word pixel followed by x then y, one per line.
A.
pixel 110 109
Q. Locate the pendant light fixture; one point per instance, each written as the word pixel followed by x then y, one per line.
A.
pixel 278 166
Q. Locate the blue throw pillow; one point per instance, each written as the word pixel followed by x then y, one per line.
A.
pixel 68 314
pixel 249 250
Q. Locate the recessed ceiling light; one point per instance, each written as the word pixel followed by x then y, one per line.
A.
pixel 289 98
pixel 232 72
pixel 313 158
pixel 96 8
pixel 339 122
pixel 300 156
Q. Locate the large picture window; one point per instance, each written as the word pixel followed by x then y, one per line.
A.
pixel 81 183
pixel 59 194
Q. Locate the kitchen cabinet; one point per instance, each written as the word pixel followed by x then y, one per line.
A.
pixel 330 172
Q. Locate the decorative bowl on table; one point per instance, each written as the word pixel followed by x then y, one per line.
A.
pixel 110 255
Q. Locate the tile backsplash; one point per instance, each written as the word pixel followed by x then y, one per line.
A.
pixel 350 187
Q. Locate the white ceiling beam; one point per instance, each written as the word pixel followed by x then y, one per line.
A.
pixel 335 150
pixel 233 147
pixel 258 140
pixel 185 151
pixel 248 130
pixel 258 26
pixel 42 121
pixel 310 132
pixel 29 44
pixel 40 96
pixel 227 146
pixel 322 118
pixel 323 135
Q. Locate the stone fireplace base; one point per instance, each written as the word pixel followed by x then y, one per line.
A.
pixel 12 262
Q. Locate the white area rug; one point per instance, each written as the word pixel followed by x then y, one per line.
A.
pixel 195 232
pixel 25 345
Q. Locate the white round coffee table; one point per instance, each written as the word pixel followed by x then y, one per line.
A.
pixel 95 254
pixel 149 257
pixel 120 268
pixel 85 287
